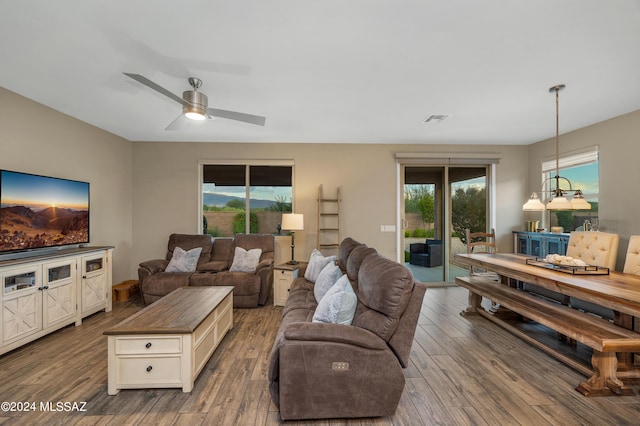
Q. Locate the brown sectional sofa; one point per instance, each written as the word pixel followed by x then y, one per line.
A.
pixel 250 288
pixel 322 370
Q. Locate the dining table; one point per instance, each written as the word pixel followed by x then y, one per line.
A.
pixel 617 291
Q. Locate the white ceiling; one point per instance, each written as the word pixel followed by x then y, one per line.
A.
pixel 331 70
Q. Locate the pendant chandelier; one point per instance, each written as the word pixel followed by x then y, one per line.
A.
pixel 557 196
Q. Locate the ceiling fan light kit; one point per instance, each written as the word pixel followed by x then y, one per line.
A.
pixel 195 107
pixel 197 110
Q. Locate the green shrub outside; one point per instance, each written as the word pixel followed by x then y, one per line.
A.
pixel 215 232
pixel 419 233
pixel 239 223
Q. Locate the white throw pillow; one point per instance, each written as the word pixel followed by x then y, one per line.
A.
pixel 245 260
pixel 317 262
pixel 338 306
pixel 184 261
pixel 326 279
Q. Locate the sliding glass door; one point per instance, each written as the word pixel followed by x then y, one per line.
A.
pixel 423 212
pixel 437 204
pixel 469 201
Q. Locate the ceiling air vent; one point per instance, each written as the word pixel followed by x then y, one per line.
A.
pixel 436 118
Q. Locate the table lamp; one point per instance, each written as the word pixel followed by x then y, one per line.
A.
pixel 292 222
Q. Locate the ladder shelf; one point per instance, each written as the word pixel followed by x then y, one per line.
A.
pixel 329 233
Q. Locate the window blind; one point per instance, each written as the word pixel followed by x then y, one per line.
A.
pixel 572 160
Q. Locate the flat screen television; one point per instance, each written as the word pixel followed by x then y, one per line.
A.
pixel 39 212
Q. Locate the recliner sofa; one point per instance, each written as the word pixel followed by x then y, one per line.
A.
pixel 251 289
pixel 324 370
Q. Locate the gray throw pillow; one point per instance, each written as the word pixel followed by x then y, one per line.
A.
pixel 326 279
pixel 317 262
pixel 338 306
pixel 245 260
pixel 184 261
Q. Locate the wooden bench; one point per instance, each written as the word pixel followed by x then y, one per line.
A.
pixel 604 337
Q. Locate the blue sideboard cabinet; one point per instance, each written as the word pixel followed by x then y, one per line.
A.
pixel 539 244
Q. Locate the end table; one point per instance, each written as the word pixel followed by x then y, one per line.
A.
pixel 283 276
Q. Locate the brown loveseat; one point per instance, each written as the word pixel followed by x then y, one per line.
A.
pixel 250 288
pixel 323 370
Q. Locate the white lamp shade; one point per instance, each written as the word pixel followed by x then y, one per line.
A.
pixel 533 204
pixel 579 203
pixel 559 203
pixel 292 221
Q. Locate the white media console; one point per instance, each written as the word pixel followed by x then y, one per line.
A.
pixel 44 293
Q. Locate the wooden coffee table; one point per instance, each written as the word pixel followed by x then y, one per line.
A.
pixel 166 344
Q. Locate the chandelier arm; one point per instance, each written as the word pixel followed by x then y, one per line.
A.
pixel 557 191
pixel 569 182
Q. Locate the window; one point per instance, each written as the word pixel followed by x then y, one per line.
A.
pixel 230 190
pixel 582 170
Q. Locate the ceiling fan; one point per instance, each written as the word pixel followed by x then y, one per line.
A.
pixel 194 103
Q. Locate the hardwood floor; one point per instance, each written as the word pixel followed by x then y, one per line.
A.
pixel 463 371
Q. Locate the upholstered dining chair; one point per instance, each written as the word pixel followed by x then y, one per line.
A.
pixel 596 249
pixel 632 260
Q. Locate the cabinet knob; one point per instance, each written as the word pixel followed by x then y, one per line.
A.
pixel 148 345
pixel 46 287
pixel 149 368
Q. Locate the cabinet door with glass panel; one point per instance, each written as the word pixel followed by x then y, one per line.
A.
pixel 59 292
pixel 93 284
pixel 21 303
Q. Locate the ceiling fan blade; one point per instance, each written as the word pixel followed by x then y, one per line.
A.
pixel 156 87
pixel 178 124
pixel 183 124
pixel 238 116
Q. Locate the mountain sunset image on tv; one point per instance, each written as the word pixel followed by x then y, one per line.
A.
pixel 40 211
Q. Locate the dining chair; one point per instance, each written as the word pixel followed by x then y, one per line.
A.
pixel 632 266
pixel 481 242
pixel 595 249
pixel 632 259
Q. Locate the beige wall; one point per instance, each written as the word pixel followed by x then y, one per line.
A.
pixel 36 139
pixel 162 178
pixel 619 142
pixel 166 187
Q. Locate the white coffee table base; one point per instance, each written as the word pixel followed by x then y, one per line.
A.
pixel 168 356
